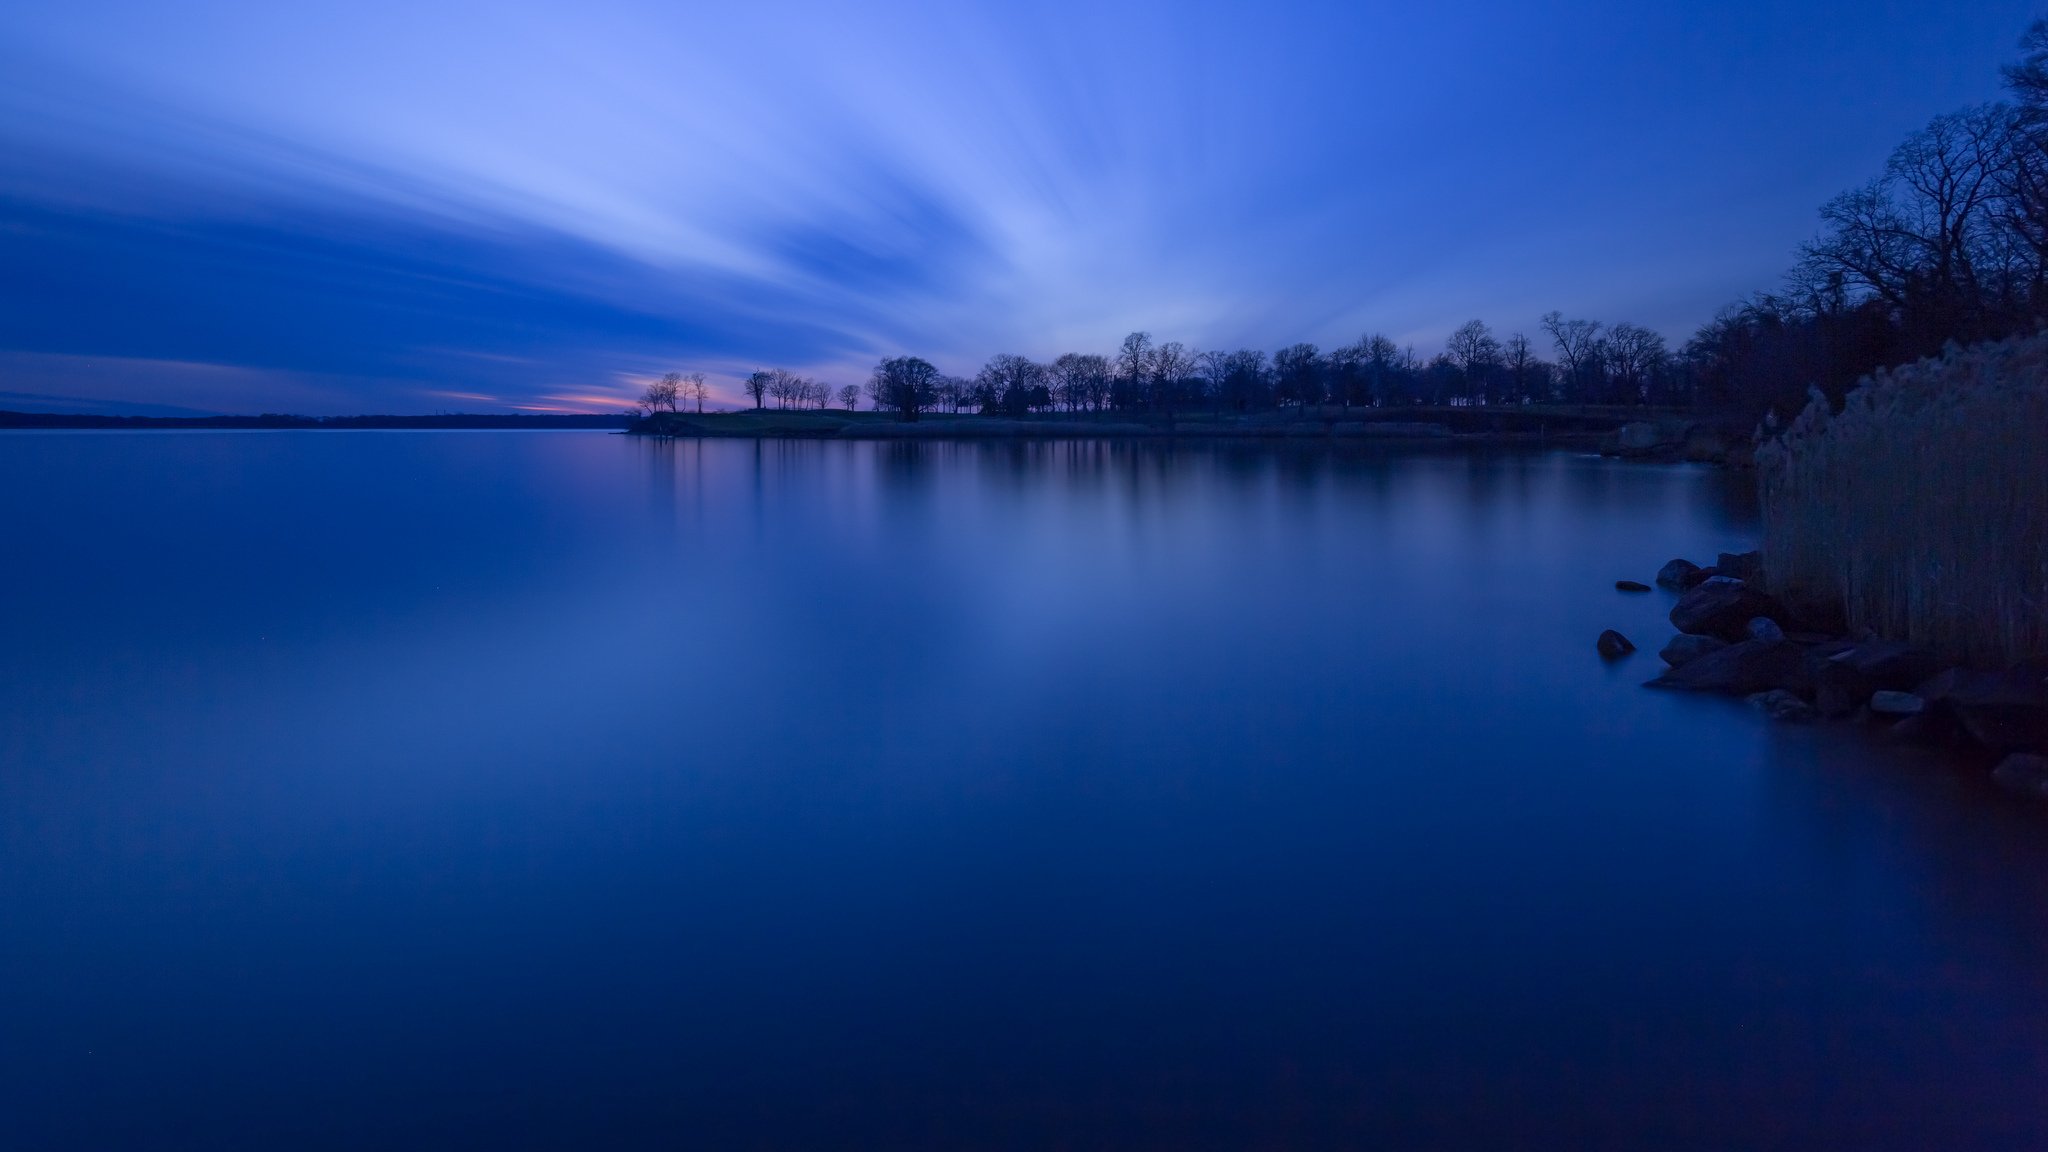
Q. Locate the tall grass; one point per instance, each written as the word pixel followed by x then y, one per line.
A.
pixel 1922 506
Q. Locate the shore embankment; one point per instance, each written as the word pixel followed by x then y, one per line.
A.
pixel 1904 574
pixel 1617 430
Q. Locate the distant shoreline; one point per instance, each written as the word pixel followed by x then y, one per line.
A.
pixel 1652 433
pixel 59 420
pixel 1631 432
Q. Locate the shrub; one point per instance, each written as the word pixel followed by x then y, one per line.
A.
pixel 1922 506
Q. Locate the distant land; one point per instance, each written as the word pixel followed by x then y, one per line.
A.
pixel 275 420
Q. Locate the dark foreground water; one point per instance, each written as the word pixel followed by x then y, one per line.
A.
pixel 559 790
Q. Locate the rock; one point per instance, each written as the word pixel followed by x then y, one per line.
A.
pixel 2023 772
pixel 1630 586
pixel 1706 446
pixel 1640 436
pixel 1684 649
pixel 1678 575
pixel 2003 711
pixel 1889 664
pixel 1764 628
pixel 1842 674
pixel 1745 566
pixel 1613 645
pixel 1896 704
pixel 1742 669
pixel 1782 705
pixel 1721 607
pixel 1805 611
pixel 1925 728
pixel 1838 688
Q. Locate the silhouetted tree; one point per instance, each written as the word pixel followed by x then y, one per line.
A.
pixel 1476 353
pixel 849 397
pixel 1298 374
pixel 905 385
pixel 1635 355
pixel 1172 366
pixel 757 385
pixel 661 395
pixel 1131 369
pixel 1012 384
pixel 1578 352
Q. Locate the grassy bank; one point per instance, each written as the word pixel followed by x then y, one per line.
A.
pixel 1922 506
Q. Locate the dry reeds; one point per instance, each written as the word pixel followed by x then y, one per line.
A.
pixel 1922 506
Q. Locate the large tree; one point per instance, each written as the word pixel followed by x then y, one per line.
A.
pixel 1081 380
pixel 1578 350
pixel 905 385
pixel 1172 365
pixel 1011 383
pixel 1635 357
pixel 1132 368
pixel 1476 353
pixel 661 395
pixel 1298 374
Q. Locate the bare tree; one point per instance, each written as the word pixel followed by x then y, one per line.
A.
pixel 1011 383
pixel 1634 354
pixel 906 385
pixel 1084 379
pixel 1519 359
pixel 849 397
pixel 757 385
pixel 1172 364
pixel 1578 346
pixel 1298 374
pixel 1131 366
pixel 660 395
pixel 694 389
pixel 1476 353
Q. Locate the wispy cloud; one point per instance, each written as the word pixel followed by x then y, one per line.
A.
pixel 495 199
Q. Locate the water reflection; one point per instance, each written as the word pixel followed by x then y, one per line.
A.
pixel 543 789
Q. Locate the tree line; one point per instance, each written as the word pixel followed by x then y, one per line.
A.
pixel 1948 244
pixel 1594 363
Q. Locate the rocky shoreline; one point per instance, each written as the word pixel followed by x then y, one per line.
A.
pixel 1796 662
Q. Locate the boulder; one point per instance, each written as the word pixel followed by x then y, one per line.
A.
pixel 1678 575
pixel 1721 607
pixel 1808 612
pixel 1742 669
pixel 1889 664
pixel 1640 436
pixel 1926 728
pixel 1613 645
pixel 1744 566
pixel 1683 649
pixel 1782 705
pixel 1839 689
pixel 1764 628
pixel 2003 711
pixel 2023 772
pixel 1896 704
pixel 1630 586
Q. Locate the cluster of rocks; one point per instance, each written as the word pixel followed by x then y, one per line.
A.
pixel 1673 439
pixel 1794 663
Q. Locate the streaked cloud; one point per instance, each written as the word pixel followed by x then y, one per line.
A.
pixel 534 201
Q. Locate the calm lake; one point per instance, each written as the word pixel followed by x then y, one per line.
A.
pixel 559 789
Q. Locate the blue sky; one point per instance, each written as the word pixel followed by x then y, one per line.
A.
pixel 406 207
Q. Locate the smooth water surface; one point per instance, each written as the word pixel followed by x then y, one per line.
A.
pixel 559 790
